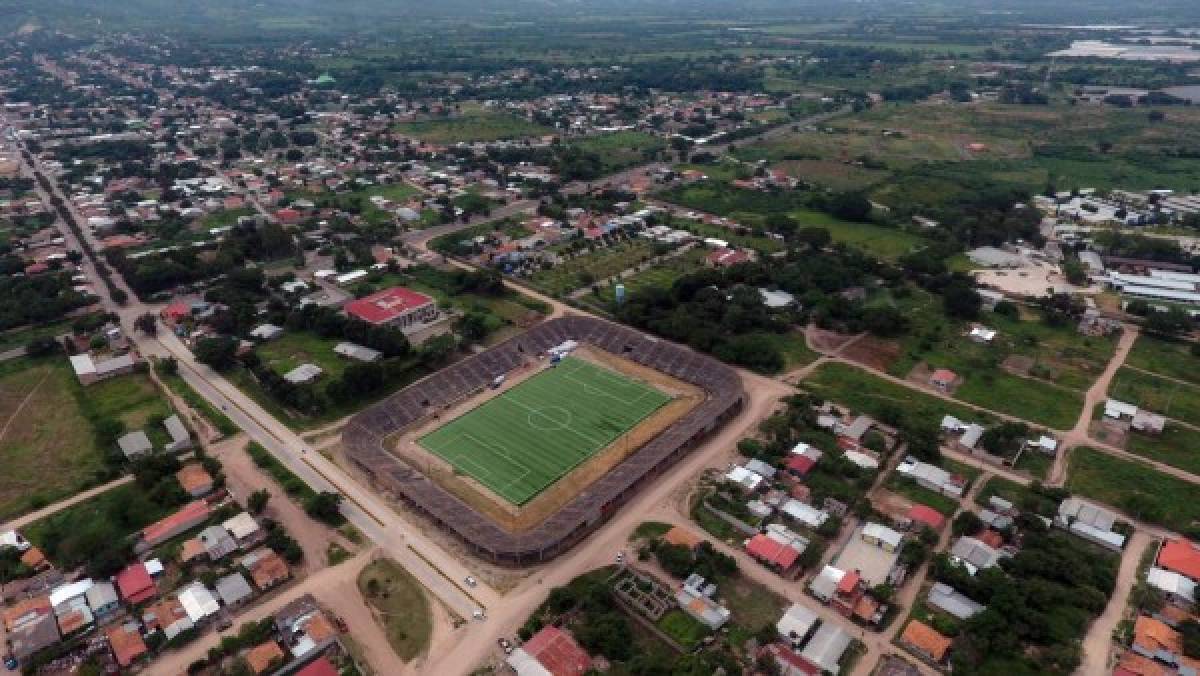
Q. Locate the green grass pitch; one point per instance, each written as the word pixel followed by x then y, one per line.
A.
pixel 527 438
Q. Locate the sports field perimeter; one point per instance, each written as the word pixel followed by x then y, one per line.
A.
pixel 527 438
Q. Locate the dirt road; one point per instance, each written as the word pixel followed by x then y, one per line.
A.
pixel 1097 645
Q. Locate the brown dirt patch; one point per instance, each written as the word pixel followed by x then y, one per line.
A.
pixel 1109 433
pixel 1018 364
pixel 514 518
pixel 826 341
pixel 891 504
pixel 873 352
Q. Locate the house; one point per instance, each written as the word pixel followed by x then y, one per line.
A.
pixel 949 600
pixel 357 352
pixel 167 616
pixel 725 257
pixel 265 657
pixel 1118 410
pixel 90 371
pixel 267 569
pixel 796 624
pixel 787 661
pixel 71 608
pixel 102 599
pixel 760 468
pixel 244 529
pixel 982 335
pixel 198 602
pixel 303 374
pixel 1044 444
pixel 135 584
pixel 824 584
pixel 1180 556
pixel 925 642
pixel 861 460
pixel 35 559
pixel 30 626
pixel 932 477
pixel 1176 588
pixel 13 539
pixel 778 548
pixel 551 651
pixel 973 554
pixel 1089 522
pixel 196 480
pixel 943 379
pixel 881 536
pixel 802 459
pixel 181 439
pixel 1148 423
pixel 695 598
pixel 217 543
pixel 191 515
pixel 135 444
pixel 125 641
pixel 826 647
pixel 234 590
pixel 1155 639
pixel 804 513
pixel 749 481
pixel 318 667
pixel 266 332
pixel 926 516
pixel 397 306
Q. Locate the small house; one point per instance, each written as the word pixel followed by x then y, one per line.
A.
pixel 943 379
pixel 925 642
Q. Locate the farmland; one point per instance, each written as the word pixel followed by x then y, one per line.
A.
pixel 1137 489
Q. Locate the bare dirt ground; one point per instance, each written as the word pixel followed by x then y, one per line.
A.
pixel 1109 433
pixel 1017 364
pixel 243 477
pixel 685 397
pixel 826 341
pixel 873 352
pixel 891 504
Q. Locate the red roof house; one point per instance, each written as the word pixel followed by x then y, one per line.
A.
pixel 397 306
pixel 288 216
pixel 176 311
pixel 788 661
pixel 1180 556
pixel 126 643
pixel 319 667
pixel 191 515
pixel 943 378
pixel 557 652
pixel 926 515
pixel 772 552
pixel 800 465
pixel 135 584
pixel 723 258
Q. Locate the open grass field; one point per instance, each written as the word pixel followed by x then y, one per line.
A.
pixel 583 270
pixel 472 125
pixel 21 337
pixel 663 274
pixel 1171 358
pixel 886 243
pixel 400 606
pixel 522 441
pixel 1178 446
pixel 622 149
pixel 294 348
pixel 882 399
pixel 1170 398
pixel 1137 489
pixel 908 488
pixel 833 174
pixel 46 444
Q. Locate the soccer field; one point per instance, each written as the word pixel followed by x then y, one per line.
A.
pixel 527 438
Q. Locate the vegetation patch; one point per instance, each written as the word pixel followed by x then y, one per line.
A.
pixel 400 606
pixel 1137 489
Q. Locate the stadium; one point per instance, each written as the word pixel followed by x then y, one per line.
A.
pixel 525 448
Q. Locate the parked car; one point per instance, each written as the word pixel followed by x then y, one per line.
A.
pixel 10 662
pixel 471 582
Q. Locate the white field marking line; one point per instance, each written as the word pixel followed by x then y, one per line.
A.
pixel 504 453
pixel 32 391
pixel 458 458
pixel 532 410
pixel 616 380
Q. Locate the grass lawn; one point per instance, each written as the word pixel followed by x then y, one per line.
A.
pixel 133 399
pixel 1137 489
pixel 751 605
pixel 680 626
pixel 621 149
pixel 582 270
pixel 877 240
pixel 522 441
pixel 472 125
pixel 1170 358
pixel 294 348
pixel 1035 462
pixel 1024 398
pixel 662 274
pixel 794 348
pixel 46 445
pixel 882 399
pixel 758 242
pixel 919 494
pixel 223 218
pixel 21 337
pixel 1178 446
pixel 1172 399
pixel 399 605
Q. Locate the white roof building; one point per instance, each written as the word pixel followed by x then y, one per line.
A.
pixel 242 526
pixel 303 374
pixel 796 623
pixel 1171 583
pixel 198 602
pixel 744 478
pixel 266 332
pixel 806 514
pixel 1119 409
pixel 827 646
pixel 877 532
pixel 861 459
pixel 68 592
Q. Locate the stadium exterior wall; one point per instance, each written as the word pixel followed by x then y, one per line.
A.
pixel 366 435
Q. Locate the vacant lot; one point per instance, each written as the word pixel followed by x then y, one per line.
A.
pixel 622 149
pixel 1178 446
pixel 400 606
pixel 1172 399
pixel 294 348
pixel 1137 489
pixel 887 243
pixel 522 441
pixel 881 398
pixel 472 125
pixel 46 444
pixel 585 269
pixel 1170 358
